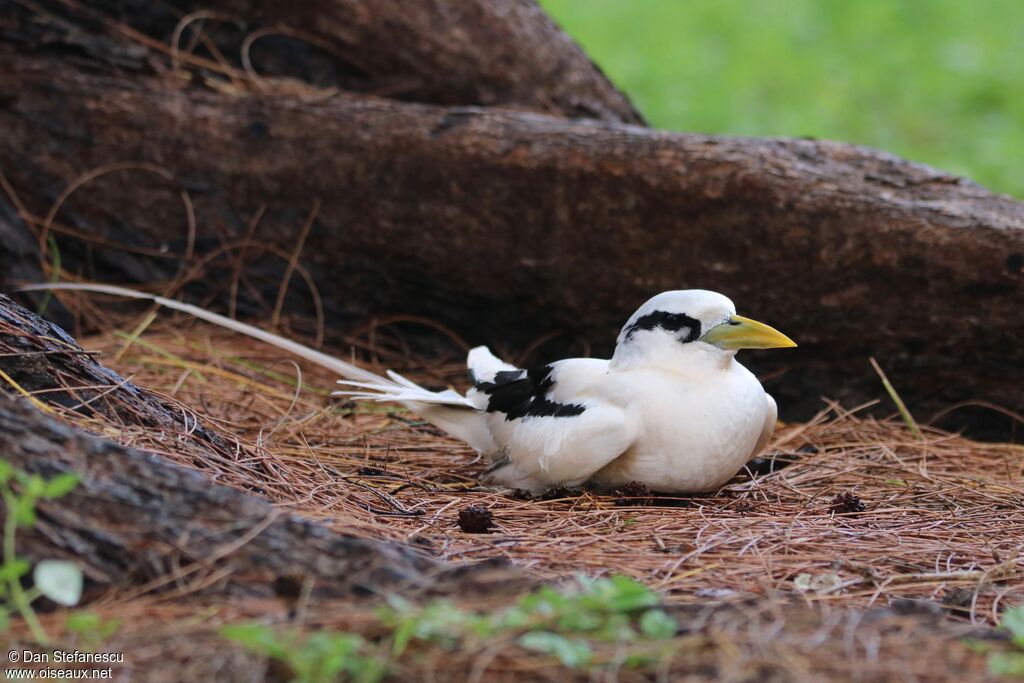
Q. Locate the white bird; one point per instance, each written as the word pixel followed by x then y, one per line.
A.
pixel 672 408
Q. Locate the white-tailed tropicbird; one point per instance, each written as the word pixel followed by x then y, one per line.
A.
pixel 672 408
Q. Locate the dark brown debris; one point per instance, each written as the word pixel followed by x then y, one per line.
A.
pixel 845 503
pixel 634 493
pixel 476 519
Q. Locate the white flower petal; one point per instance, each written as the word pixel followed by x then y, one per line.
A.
pixel 59 580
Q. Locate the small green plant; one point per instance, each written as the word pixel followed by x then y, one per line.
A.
pixel 1010 663
pixel 90 629
pixel 319 657
pixel 610 610
pixel 57 580
pixel 565 624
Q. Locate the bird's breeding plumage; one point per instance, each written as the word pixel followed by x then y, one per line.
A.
pixel 672 408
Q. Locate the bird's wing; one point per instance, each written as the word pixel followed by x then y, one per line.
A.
pixel 484 366
pixel 553 426
pixel 487 370
pixel 549 452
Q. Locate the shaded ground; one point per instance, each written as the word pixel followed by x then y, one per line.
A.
pixel 854 551
pixel 174 638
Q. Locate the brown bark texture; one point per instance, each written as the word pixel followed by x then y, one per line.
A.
pixel 507 225
pixel 455 52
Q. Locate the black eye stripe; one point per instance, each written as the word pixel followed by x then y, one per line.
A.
pixel 671 322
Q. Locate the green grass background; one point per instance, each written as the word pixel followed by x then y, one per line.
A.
pixel 936 81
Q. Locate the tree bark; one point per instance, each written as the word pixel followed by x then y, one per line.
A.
pixel 456 52
pixel 134 517
pixel 507 225
pixel 40 357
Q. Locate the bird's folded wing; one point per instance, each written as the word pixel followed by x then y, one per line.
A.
pixel 546 452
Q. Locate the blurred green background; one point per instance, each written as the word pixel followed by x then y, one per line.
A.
pixel 936 81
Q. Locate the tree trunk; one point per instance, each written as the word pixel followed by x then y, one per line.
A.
pixel 506 225
pixel 456 52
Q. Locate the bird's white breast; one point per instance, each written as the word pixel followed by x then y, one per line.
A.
pixel 695 429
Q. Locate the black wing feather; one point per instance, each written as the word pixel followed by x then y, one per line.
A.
pixel 524 393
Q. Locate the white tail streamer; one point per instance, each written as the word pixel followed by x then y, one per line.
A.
pixel 394 387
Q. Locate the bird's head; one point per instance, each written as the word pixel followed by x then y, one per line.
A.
pixel 693 320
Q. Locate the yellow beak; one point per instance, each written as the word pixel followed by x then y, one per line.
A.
pixel 743 333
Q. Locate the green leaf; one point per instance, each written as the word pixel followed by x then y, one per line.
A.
pixel 1013 621
pixel 441 622
pixel 91 629
pixel 25 511
pixel 368 669
pixel 618 627
pixel 655 623
pixel 1006 663
pixel 402 634
pixel 574 653
pixel 82 622
pixel 91 624
pixel 59 580
pixel 60 485
pixel 14 570
pixel 979 646
pixel 635 660
pixel 324 654
pixel 34 486
pixel 546 601
pixel 618 594
pixel 5 621
pixel 512 618
pixel 581 620
pixel 108 628
pixel 5 471
pixel 259 638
